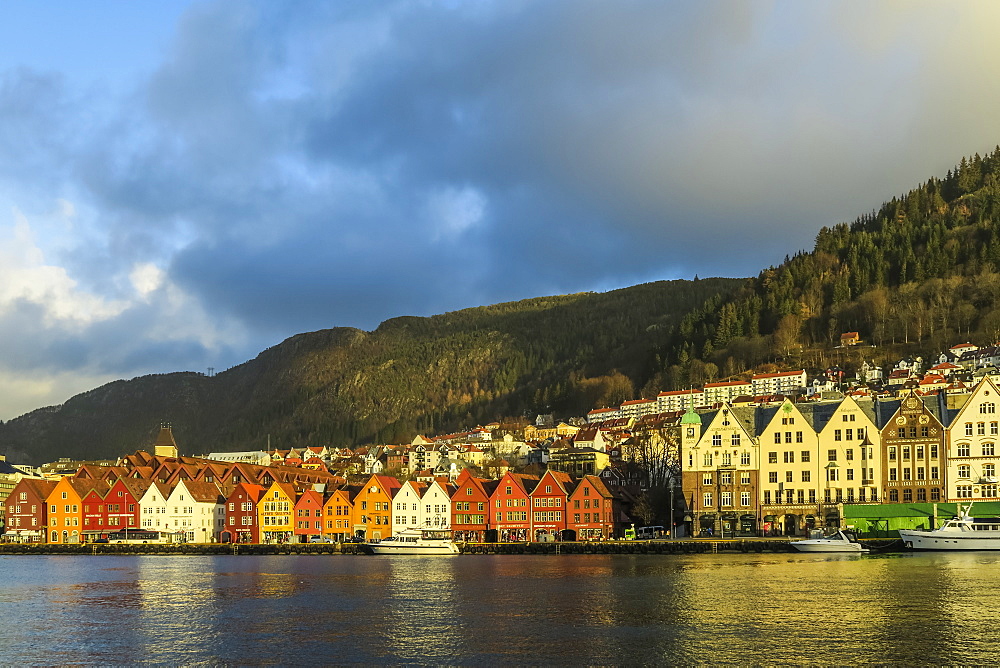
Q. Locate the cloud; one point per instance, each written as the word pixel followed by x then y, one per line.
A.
pixel 281 167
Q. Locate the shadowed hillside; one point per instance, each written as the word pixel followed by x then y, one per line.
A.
pixel 345 386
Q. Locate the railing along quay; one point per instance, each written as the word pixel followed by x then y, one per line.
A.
pixel 665 546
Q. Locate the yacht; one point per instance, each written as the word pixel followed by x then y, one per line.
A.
pixel 413 541
pixel 837 542
pixel 959 533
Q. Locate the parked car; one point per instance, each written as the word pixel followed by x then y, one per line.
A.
pixel 320 539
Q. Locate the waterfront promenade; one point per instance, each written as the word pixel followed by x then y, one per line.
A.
pixel 665 546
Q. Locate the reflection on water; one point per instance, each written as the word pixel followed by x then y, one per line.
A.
pixel 487 610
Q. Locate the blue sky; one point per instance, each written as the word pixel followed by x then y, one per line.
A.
pixel 185 184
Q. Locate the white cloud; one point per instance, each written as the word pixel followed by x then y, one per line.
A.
pixel 146 278
pixel 25 276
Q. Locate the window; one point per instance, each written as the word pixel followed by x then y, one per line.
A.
pixel 994 429
pixel 833 475
pixel 906 453
pixel 988 408
pixel 804 458
pixel 717 440
pixel 893 474
pixel 964 471
pixel 745 499
pixel 980 429
pixel 934 473
pixel 789 457
pixel 806 476
pixel 892 453
pixel 735 440
pixel 850 474
pixel 777 437
pixel 726 478
pixel 968 429
pixel 837 435
pixel 849 454
pixel 987 449
pixel 727 459
pixel 726 498
pixel 745 459
pixel 788 476
pixel 920 473
pixel 893 496
pixel 788 437
pixel 963 491
pixel 772 458
pixel 706 460
pixel 706 479
pixel 745 478
pixel 831 455
pixel 706 500
pixel 772 476
pixel 989 470
pixel 849 435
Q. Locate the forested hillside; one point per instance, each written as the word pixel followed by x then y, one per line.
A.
pixel 918 274
pixel 411 375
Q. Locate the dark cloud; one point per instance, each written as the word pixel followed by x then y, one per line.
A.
pixel 289 167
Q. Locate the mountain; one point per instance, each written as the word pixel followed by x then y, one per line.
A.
pixel 346 386
pixel 916 275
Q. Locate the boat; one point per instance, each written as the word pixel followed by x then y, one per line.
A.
pixel 413 541
pixel 963 532
pixel 837 542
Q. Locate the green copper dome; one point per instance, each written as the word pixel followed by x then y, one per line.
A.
pixel 690 417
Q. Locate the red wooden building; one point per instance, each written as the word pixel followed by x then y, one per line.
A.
pixel 511 503
pixel 470 508
pixel 593 510
pixel 27 512
pixel 548 505
pixel 242 525
pixel 95 515
pixel 308 516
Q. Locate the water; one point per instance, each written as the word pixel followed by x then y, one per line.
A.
pixel 908 609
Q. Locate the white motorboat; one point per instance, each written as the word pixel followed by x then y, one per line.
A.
pixel 959 533
pixel 413 541
pixel 837 542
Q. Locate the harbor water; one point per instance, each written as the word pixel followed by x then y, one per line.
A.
pixel 905 609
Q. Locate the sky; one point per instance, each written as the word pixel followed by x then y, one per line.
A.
pixel 184 184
